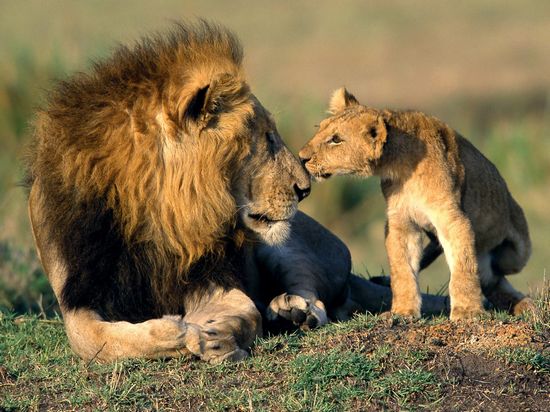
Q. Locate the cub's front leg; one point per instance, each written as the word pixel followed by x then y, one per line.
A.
pixel 404 249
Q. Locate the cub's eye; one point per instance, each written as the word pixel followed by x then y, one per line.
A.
pixel 335 139
pixel 373 132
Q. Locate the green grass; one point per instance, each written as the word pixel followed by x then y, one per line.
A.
pixel 539 362
pixel 364 364
pixel 332 378
pixel 37 359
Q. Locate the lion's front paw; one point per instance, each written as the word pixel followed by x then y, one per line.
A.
pixel 407 308
pixel 167 333
pixel 393 318
pixel 410 314
pixel 212 344
pixel 301 312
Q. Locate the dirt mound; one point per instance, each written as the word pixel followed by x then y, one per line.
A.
pixel 469 336
pixel 488 365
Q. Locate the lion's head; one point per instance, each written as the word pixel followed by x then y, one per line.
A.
pixel 269 181
pixel 169 136
pixel 350 141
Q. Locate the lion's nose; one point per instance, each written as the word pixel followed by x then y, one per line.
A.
pixel 302 192
pixel 304 160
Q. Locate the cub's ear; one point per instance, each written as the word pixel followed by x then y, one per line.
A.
pixel 378 130
pixel 340 100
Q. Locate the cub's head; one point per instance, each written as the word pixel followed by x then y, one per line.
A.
pixel 350 141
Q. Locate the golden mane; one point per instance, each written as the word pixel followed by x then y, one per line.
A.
pixel 129 134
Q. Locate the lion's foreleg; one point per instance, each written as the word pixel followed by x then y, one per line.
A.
pixel 90 336
pixel 222 325
pixel 93 338
pixel 218 326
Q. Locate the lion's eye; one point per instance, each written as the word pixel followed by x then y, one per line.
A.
pixel 335 139
pixel 373 132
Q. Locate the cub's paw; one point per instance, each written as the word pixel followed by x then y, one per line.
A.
pixel 393 318
pixel 305 313
pixel 524 306
pixel 212 344
pixel 406 311
pixel 459 313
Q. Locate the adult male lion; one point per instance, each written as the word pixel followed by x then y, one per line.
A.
pixel 160 198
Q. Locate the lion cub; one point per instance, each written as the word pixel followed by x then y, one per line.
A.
pixel 435 182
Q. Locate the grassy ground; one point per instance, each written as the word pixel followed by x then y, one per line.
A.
pixel 368 363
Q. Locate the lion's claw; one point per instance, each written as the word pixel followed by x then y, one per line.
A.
pixel 213 345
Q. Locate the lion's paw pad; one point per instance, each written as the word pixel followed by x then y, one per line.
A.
pixel 301 312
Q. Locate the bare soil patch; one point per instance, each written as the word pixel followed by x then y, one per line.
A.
pixel 489 365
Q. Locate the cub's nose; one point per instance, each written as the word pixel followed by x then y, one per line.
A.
pixel 302 192
pixel 304 160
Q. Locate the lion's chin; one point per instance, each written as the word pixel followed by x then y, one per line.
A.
pixel 271 232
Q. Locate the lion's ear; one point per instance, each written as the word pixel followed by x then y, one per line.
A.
pixel 377 133
pixel 200 106
pixel 197 104
pixel 207 101
pixel 340 100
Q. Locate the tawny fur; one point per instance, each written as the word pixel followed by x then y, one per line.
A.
pixel 435 182
pixel 160 198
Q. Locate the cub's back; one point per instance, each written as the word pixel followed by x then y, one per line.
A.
pixel 485 195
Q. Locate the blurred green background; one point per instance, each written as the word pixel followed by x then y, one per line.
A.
pixel 482 66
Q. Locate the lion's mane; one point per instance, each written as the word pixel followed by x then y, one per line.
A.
pixel 129 193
